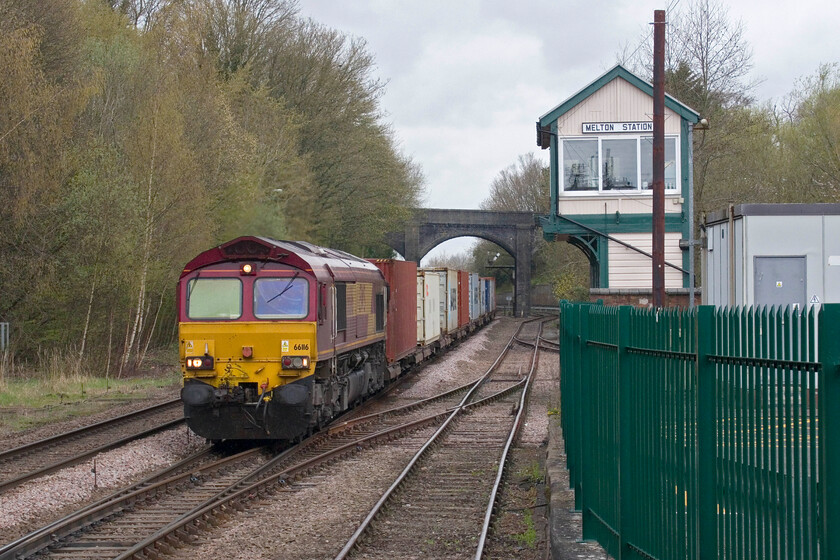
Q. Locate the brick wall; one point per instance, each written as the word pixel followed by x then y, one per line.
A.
pixel 642 298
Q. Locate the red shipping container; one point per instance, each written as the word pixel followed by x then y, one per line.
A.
pixel 401 325
pixel 463 298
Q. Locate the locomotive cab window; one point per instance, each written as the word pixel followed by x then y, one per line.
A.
pixel 281 298
pixel 214 298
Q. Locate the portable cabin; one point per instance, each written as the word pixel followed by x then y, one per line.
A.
pixel 772 254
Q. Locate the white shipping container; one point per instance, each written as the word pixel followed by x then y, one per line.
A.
pixel 482 298
pixel 448 298
pixel 475 302
pixel 428 307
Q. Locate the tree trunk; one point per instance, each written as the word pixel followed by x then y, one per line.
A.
pixel 136 331
pixel 87 320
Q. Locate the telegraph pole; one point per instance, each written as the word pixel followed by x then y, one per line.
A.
pixel 658 158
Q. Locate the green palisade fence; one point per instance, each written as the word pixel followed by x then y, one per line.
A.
pixel 707 433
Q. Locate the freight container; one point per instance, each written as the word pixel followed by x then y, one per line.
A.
pixel 489 301
pixel 482 297
pixel 463 298
pixel 448 298
pixel 401 319
pixel 428 307
pixel 475 302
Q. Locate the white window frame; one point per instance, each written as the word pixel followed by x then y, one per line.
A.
pixel 638 191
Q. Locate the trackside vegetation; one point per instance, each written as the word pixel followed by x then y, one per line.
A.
pixel 135 134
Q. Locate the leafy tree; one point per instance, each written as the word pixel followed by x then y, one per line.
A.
pixel 136 133
pixel 809 139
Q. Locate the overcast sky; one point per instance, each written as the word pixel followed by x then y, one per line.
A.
pixel 467 79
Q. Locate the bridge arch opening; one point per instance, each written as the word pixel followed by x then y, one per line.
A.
pixel 512 231
pixel 481 255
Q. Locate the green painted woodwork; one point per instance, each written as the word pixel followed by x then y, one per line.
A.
pixel 597 250
pixel 702 433
pixel 612 223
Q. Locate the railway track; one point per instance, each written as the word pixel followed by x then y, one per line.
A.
pixel 441 505
pixel 45 456
pixel 145 522
pixel 120 526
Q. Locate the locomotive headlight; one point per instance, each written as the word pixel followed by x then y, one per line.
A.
pixel 200 362
pixel 295 362
pixel 246 269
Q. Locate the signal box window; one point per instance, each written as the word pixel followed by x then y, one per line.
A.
pixel 619 163
pixel 340 306
pixel 214 298
pixel 281 298
pixel 580 165
pixel 615 164
pixel 670 163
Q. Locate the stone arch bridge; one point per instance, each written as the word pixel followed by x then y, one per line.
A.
pixel 512 231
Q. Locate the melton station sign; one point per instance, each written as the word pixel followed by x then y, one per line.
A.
pixel 607 127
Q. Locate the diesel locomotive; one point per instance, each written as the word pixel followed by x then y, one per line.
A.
pixel 278 337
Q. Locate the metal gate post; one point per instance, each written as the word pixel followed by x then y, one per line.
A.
pixel 625 436
pixel 585 409
pixel 706 456
pixel 829 428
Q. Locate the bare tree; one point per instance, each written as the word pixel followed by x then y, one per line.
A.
pixel 522 186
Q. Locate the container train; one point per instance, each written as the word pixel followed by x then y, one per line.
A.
pixel 279 337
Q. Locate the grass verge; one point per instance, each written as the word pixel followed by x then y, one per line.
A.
pixel 27 403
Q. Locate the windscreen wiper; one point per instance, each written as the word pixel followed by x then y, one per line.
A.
pixel 284 290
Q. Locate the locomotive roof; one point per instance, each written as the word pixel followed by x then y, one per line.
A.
pixel 324 263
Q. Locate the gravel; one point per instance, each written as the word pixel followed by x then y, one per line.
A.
pixel 114 408
pixel 310 520
pixel 43 498
pixel 314 519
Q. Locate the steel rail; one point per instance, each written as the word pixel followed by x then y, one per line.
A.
pixel 398 410
pixel 232 494
pixel 64 463
pixel 11 453
pixel 41 538
pixel 544 344
pixel 523 399
pixel 377 508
